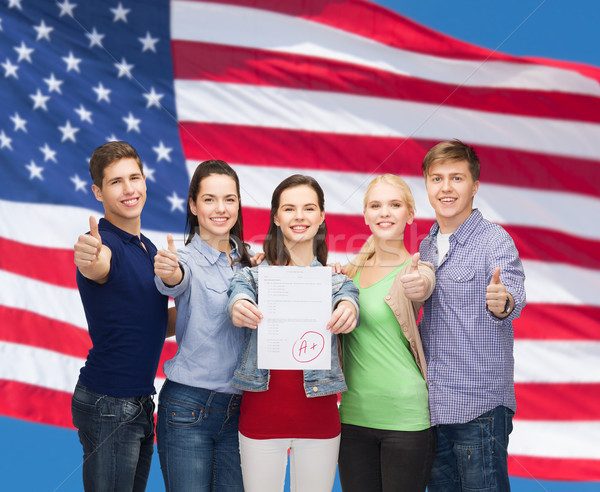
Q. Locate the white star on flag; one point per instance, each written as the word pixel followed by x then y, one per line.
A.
pixel 68 132
pixel 39 100
pixel 102 93
pixel 120 13
pixel 148 43
pixel 72 62
pixel 84 114
pixel 95 38
pixel 24 52
pixel 133 123
pixel 10 70
pixel 35 171
pixel 5 140
pixel 176 202
pixel 43 31
pixel 66 8
pixel 19 122
pixel 80 184
pixel 49 154
pixel 162 152
pixel 53 83
pixel 153 98
pixel 124 68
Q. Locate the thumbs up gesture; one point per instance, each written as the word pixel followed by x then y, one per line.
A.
pixel 497 296
pixel 166 264
pixel 413 282
pixel 88 247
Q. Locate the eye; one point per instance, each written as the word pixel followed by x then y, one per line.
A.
pixel 396 205
pixel 208 200
pixel 375 205
pixel 457 178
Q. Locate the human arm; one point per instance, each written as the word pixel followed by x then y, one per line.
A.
pixel 243 296
pixel 91 257
pixel 171 323
pixel 345 316
pixel 419 280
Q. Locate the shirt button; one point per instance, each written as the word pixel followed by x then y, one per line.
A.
pixel 387 298
pixel 315 389
pixel 405 330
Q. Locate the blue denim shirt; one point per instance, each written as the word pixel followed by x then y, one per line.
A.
pixel 317 382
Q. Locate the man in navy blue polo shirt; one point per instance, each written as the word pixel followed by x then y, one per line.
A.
pixel 112 404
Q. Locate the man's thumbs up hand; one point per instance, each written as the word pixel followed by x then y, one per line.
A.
pixel 496 295
pixel 166 264
pixel 413 282
pixel 88 246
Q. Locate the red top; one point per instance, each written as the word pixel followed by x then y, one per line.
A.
pixel 284 411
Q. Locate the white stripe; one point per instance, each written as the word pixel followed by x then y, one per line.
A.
pixel 261 29
pixel 41 367
pixel 295 109
pixel 555 439
pixel 556 361
pixel 344 192
pixel 57 226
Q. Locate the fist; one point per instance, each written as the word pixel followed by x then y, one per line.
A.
pixel 496 295
pixel 413 282
pixel 166 263
pixel 88 247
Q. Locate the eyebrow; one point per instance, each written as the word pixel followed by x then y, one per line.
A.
pixel 292 205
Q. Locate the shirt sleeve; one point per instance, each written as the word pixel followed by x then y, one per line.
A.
pixel 242 286
pixel 181 287
pixel 347 291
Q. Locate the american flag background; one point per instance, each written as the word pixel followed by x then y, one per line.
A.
pixel 342 90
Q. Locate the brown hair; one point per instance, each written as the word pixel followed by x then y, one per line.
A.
pixel 453 150
pixel 275 251
pixel 108 154
pixel 236 233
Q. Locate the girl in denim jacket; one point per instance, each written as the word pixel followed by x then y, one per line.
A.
pixel 290 409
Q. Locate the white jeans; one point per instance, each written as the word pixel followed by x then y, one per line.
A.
pixel 313 464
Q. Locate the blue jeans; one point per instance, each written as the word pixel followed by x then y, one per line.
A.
pixel 117 435
pixel 473 456
pixel 198 444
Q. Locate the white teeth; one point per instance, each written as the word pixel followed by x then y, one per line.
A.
pixel 219 219
pixel 447 199
pixel 130 202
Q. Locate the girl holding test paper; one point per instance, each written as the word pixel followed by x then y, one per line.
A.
pixel 293 410
pixel 387 442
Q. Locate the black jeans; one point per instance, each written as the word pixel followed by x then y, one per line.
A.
pixel 375 460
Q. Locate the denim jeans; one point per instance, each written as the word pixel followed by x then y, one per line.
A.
pixel 117 435
pixel 377 460
pixel 473 456
pixel 198 444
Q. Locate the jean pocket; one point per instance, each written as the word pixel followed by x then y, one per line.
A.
pixel 475 458
pixel 181 415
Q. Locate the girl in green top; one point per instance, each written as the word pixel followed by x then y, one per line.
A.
pixel 387 443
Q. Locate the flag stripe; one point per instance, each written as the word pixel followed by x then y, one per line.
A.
pixel 227 25
pixel 563 469
pixel 233 64
pixel 276 147
pixel 557 402
pixel 204 101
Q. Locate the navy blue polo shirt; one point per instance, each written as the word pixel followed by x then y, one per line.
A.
pixel 126 316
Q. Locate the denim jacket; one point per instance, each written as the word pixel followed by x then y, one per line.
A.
pixel 317 382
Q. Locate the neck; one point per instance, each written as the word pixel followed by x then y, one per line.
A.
pixel 449 225
pixel 390 253
pixel 132 226
pixel 301 254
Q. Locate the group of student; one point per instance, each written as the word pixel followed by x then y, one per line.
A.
pixel 421 406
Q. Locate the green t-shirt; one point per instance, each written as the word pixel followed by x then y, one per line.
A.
pixel 386 390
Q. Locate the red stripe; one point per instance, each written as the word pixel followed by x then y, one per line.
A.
pixel 27 328
pixel 50 265
pixel 557 402
pixel 35 404
pixel 558 322
pixel 554 468
pixel 338 152
pixel 232 64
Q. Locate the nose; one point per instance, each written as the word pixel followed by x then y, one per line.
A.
pixel 220 204
pixel 446 183
pixel 128 188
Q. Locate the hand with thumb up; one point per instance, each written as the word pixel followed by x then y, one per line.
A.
pixel 90 257
pixel 166 264
pixel 497 296
pixel 414 284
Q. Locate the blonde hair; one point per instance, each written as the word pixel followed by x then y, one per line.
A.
pixel 368 249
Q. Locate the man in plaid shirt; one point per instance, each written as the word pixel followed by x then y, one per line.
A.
pixel 467 329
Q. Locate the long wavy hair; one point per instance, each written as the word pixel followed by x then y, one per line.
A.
pixel 274 247
pixel 368 250
pixel 205 169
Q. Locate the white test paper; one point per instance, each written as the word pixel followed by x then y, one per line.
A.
pixel 296 307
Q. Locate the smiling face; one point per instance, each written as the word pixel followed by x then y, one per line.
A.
pixel 386 211
pixel 450 188
pixel 298 215
pixel 123 194
pixel 216 207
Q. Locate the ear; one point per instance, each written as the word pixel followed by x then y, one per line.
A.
pixel 411 217
pixel 97 192
pixel 475 188
pixel 193 206
pixel 322 217
pixel 276 220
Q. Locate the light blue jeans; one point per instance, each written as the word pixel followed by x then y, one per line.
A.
pixel 197 433
pixel 117 435
pixel 473 456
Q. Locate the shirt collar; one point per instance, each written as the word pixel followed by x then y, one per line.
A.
pixel 124 235
pixel 211 254
pixel 464 230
